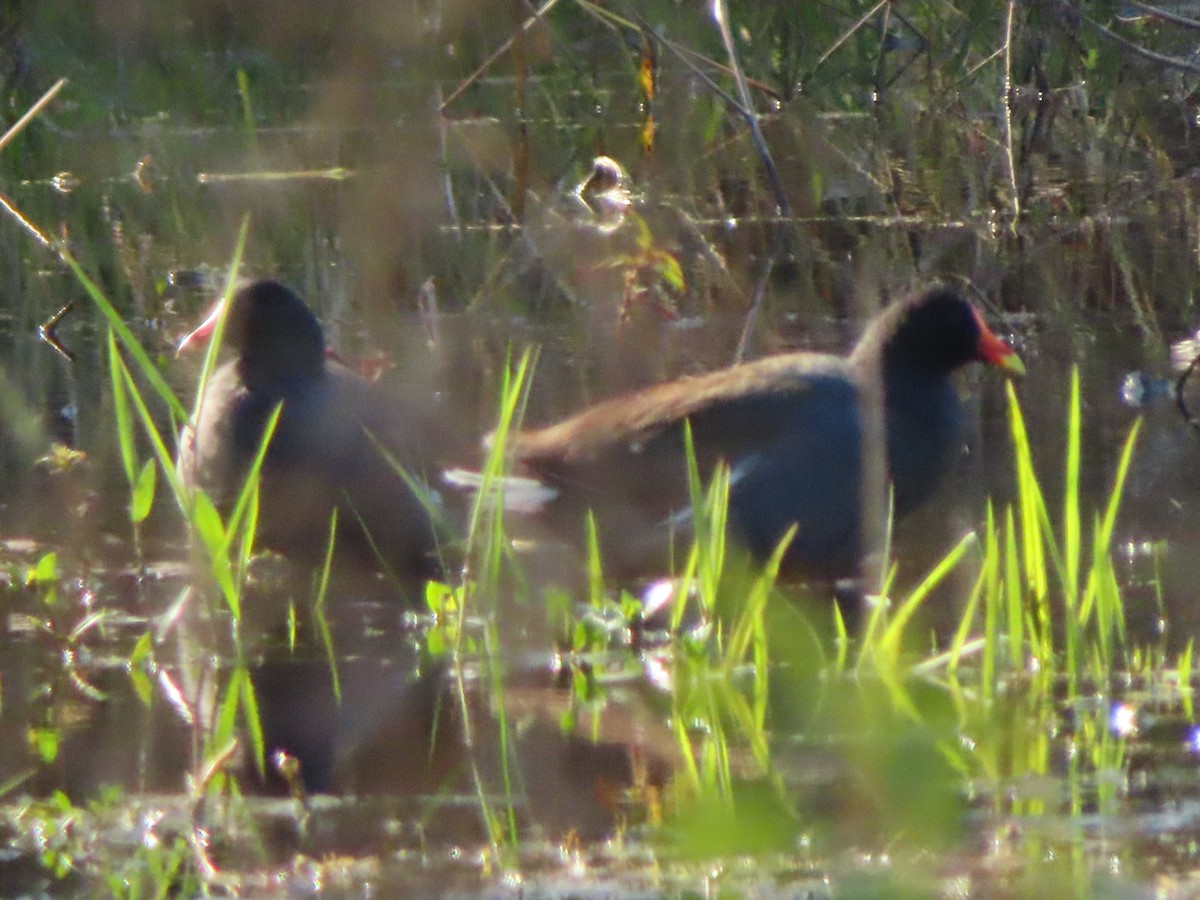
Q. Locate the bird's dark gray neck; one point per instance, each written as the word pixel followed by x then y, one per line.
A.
pixel 280 367
pixel 924 427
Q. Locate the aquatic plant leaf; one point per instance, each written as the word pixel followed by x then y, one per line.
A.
pixel 208 527
pixel 668 268
pixel 892 637
pixel 249 703
pixel 137 672
pixel 121 413
pixel 320 619
pixel 142 496
pixel 44 742
pixel 145 365
pixel 44 571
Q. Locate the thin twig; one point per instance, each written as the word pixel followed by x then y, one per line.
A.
pixel 1170 62
pixel 19 125
pixel 48 331
pixel 1006 101
pixel 500 51
pixel 686 54
pixel 447 184
pixel 866 17
pixel 38 234
pixel 1173 18
pixel 720 15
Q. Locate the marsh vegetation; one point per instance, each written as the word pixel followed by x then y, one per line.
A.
pixel 184 712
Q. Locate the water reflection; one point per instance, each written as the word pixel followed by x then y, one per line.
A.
pixel 378 721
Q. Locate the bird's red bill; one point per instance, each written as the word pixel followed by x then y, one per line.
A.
pixel 996 351
pixel 204 330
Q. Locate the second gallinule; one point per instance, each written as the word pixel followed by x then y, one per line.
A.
pixel 324 453
pixel 791 427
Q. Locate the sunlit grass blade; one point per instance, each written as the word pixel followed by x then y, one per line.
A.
pixel 1014 597
pixel 712 544
pixel 250 482
pixel 164 456
pixel 749 623
pixel 594 565
pixel 1183 678
pixel 218 335
pixel 249 533
pixel 208 527
pixel 252 720
pixel 1104 530
pixel 892 637
pixel 1029 497
pixel 485 541
pixel 121 414
pixel 967 619
pixel 1072 549
pixel 877 619
pixel 132 346
pixel 993 599
pixel 224 723
pixel 322 595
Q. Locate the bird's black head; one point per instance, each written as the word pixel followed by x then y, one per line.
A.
pixel 272 330
pixel 939 331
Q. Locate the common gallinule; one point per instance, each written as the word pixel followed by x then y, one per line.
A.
pixel 324 453
pixel 791 427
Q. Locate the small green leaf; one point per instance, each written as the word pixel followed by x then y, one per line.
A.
pixel 645 238
pixel 142 496
pixel 137 669
pixel 45 571
pixel 669 270
pixel 121 412
pixel 435 642
pixel 253 723
pixel 141 686
pixel 211 531
pixel 44 742
pixel 207 522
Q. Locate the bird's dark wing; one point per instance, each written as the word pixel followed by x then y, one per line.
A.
pixel 630 450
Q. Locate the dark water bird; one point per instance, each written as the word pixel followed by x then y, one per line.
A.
pixel 325 451
pixel 791 428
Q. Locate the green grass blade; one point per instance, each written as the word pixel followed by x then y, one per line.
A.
pixel 319 616
pixel 966 621
pixel 253 473
pixel 1107 524
pixel 1012 594
pixel 893 636
pixel 121 413
pixel 992 602
pixel 206 522
pixel 1072 549
pixel 133 347
pixel 253 720
pixel 165 460
pixel 218 335
pixel 750 619
pixel 1029 498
